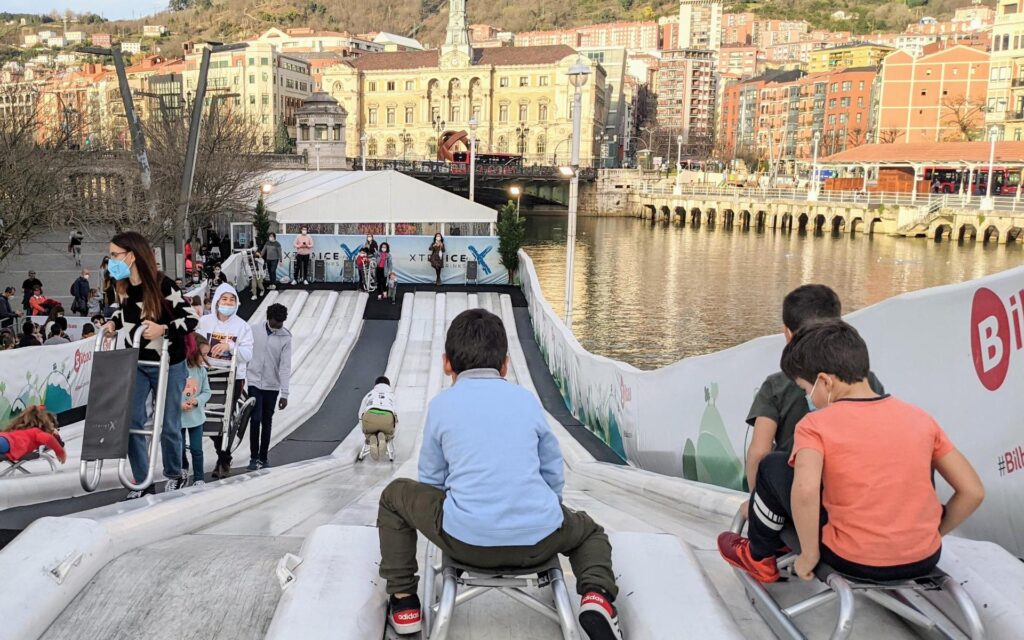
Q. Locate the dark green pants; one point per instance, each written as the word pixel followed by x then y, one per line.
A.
pixel 407 506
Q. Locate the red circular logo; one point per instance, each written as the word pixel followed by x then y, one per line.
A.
pixel 990 338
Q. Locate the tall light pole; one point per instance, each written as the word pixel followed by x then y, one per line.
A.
pixel 518 193
pixel 317 148
pixel 679 154
pixel 812 188
pixel 472 159
pixel 363 139
pixel 988 203
pixel 578 77
pixel 439 125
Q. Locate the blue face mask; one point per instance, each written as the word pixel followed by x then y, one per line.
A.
pixel 810 403
pixel 118 270
pixel 226 311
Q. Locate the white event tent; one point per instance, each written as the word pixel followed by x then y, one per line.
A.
pixel 338 201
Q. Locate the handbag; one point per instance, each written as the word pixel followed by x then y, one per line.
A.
pixel 108 414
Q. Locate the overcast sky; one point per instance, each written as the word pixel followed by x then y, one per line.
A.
pixel 110 9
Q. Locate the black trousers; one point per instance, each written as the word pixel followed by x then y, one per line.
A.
pixel 301 267
pixel 771 512
pixel 261 421
pixel 272 271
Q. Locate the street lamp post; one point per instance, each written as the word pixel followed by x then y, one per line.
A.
pixel 518 193
pixel 679 154
pixel 812 188
pixel 317 148
pixel 522 131
pixel 988 203
pixel 362 149
pixel 472 159
pixel 578 77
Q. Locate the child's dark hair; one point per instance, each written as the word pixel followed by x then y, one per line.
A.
pixel 55 330
pixel 277 312
pixel 88 330
pixel 826 346
pixel 382 380
pixel 476 340
pixel 34 417
pixel 28 327
pixel 809 302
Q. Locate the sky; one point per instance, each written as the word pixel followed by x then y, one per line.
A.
pixel 109 9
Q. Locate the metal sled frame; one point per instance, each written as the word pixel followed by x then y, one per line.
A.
pixel 365 451
pixel 891 595
pixel 370 274
pixel 18 466
pixel 91 480
pixel 438 609
pixel 253 269
pixel 222 407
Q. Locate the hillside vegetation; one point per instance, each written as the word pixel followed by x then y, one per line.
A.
pixel 426 19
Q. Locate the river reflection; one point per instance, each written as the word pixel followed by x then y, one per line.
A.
pixel 650 294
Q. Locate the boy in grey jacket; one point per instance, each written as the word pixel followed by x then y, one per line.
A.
pixel 268 375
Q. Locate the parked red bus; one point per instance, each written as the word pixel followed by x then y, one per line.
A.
pixel 1005 182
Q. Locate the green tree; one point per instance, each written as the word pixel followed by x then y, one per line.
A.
pixel 261 221
pixel 282 143
pixel 511 232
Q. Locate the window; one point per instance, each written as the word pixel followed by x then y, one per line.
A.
pixel 924 92
pixel 391 116
pixel 503 82
pixel 502 144
pixel 843 118
pixel 524 81
pixel 847 85
pixel 524 112
pixel 252 99
pixel 541 145
pixel 860 85
pixel 252 62
pixel 265 100
pixel 265 119
pixel 371 86
pixel 408 115
pixel 371 147
pixel 320 132
pixel 264 61
pixel 252 78
pixel 860 101
pixel 371 117
pixel 832 119
pixel 410 85
pixel 390 149
pixel 391 85
pixel 337 133
pixel 845 102
pixel 542 112
pixel 859 117
pixel 835 87
pixel 542 81
pixel 456 114
pixel 476 112
pixel 264 76
pixel 435 114
pixel 503 113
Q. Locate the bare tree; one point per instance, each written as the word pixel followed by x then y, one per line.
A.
pixel 856 137
pixel 229 164
pixel 33 165
pixel 889 136
pixel 964 117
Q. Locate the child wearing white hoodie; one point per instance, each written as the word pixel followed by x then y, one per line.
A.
pixel 228 335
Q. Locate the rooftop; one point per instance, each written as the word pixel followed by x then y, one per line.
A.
pixel 494 56
pixel 930 153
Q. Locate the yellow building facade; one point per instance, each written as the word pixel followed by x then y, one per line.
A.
pixel 847 57
pixel 520 97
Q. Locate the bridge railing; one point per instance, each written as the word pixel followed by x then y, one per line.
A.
pixel 439 168
pixel 1004 204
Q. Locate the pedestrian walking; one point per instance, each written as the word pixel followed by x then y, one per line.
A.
pixel 149 302
pixel 80 294
pixel 268 376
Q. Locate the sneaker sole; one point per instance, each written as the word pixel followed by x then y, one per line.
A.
pixel 405 629
pixel 597 626
pixel 375 447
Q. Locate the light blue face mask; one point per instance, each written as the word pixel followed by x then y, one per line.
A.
pixel 118 270
pixel 226 311
pixel 810 403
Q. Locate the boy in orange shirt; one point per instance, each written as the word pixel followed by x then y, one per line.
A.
pixel 858 484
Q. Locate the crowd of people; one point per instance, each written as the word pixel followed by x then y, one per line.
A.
pixel 832 455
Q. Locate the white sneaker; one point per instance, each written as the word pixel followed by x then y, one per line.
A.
pixel 254 296
pixel 134 494
pixel 305 282
pixel 199 483
pixel 374 444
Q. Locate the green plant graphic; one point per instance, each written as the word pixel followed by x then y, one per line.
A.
pixel 712 459
pixel 52 391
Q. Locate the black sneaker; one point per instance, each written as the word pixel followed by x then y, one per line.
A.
pixel 135 494
pixel 404 615
pixel 173 484
pixel 598 617
pixel 253 464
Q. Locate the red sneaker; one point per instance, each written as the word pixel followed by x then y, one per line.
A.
pixel 736 551
pixel 598 617
pixel 404 615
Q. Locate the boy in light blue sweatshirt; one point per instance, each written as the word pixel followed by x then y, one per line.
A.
pixel 490 486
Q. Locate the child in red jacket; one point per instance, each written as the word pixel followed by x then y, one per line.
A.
pixel 34 428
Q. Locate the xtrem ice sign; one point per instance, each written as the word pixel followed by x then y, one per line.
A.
pixel 996 332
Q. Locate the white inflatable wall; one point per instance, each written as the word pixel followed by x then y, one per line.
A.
pixel 957 351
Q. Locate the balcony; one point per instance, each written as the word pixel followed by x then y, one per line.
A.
pixel 1017 82
pixel 1014 116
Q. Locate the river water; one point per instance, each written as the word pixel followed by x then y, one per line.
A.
pixel 652 293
